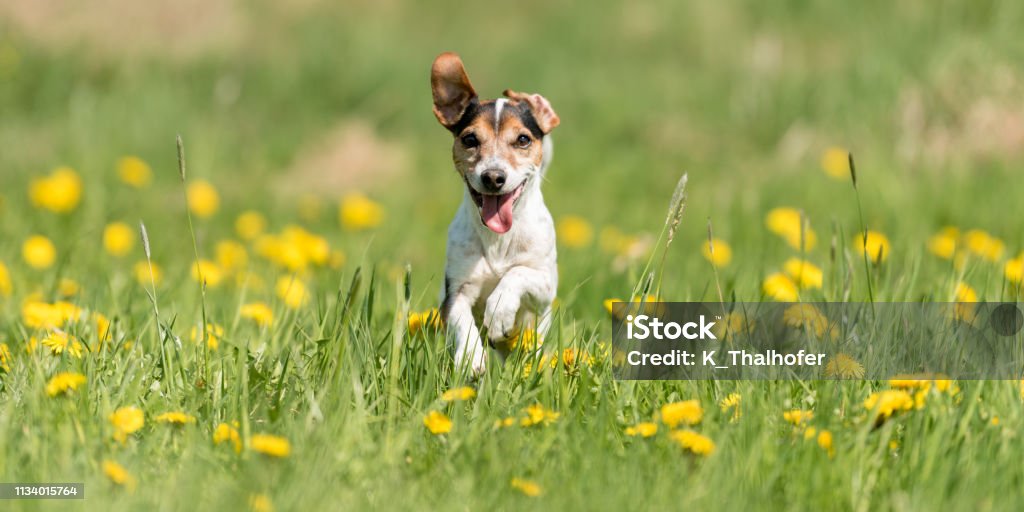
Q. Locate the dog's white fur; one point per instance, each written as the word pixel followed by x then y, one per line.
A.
pixel 508 280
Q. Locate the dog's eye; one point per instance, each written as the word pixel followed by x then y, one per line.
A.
pixel 523 141
pixel 470 141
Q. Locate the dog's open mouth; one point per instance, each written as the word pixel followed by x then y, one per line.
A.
pixel 496 209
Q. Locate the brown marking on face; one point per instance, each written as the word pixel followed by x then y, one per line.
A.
pixel 504 143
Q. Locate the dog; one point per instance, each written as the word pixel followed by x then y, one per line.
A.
pixel 501 272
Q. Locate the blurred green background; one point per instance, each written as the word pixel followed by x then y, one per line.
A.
pixel 279 102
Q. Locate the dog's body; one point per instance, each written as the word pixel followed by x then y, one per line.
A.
pixel 501 270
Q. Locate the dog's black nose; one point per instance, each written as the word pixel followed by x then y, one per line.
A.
pixel 493 179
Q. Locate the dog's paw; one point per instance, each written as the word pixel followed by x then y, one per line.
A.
pixel 500 317
pixel 472 357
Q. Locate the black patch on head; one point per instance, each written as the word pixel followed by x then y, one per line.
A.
pixel 474 110
pixel 523 111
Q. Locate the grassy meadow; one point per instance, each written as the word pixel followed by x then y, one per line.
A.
pixel 308 372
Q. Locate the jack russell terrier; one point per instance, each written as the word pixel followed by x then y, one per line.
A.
pixel 501 271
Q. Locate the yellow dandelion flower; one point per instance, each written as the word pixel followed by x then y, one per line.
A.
pixel 825 442
pixel 141 271
pixel 877 246
pixel 313 249
pixel 722 255
pixel 786 223
pixel 118 474
pixel 5 357
pixel 804 273
pixel 844 367
pixel 686 412
pixel 103 324
pixel 944 243
pixel 258 312
pixel 642 429
pixel 732 401
pixel 798 416
pixel 207 272
pixel 203 199
pixel 134 171
pixel 260 503
pixel 250 224
pixel 810 432
pixel 176 418
pixel 835 161
pixel 537 414
pixel 68 287
pixel 504 422
pixel 6 288
pixel 429 319
pixel 964 293
pixel 458 394
pixel 358 212
pixel 437 423
pixel 231 255
pixel 42 315
pixel 1014 271
pixel 980 243
pixel 810 319
pixel 281 253
pixel 226 433
pixel 39 252
pixel 527 487
pixel 64 382
pixel 126 420
pixel 884 403
pixel 59 341
pixel 780 288
pixel 292 291
pixel 609 304
pixel 214 333
pixel 965 297
pixel 694 442
pixel 118 238
pixel 525 339
pixel 60 192
pixel 574 231
pixel 925 382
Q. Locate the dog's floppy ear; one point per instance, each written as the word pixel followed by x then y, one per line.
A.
pixel 541 109
pixel 451 88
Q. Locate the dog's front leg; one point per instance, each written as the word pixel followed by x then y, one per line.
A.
pixel 469 347
pixel 518 284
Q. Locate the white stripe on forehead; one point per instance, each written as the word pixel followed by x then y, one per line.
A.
pixel 499 104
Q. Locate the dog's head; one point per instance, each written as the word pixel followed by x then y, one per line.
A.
pixel 498 146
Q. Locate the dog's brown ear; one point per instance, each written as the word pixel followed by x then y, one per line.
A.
pixel 451 88
pixel 541 109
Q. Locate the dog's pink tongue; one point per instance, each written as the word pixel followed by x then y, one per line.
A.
pixel 497 212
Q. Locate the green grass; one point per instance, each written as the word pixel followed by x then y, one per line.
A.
pixel 743 96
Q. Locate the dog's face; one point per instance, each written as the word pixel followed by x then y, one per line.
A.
pixel 498 146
